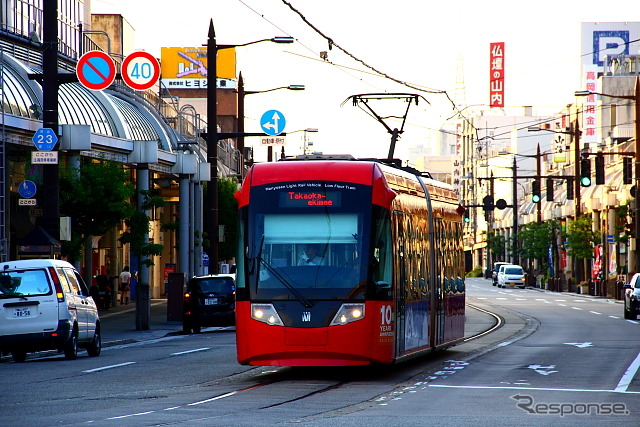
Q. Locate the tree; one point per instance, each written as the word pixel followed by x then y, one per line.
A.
pixel 137 236
pixel 581 240
pixel 138 229
pixel 496 244
pixel 537 238
pixel 228 215
pixel 97 198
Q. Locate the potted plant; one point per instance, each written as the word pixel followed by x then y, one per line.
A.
pixel 584 287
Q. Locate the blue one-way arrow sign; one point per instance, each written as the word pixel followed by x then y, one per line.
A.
pixel 273 122
pixel 45 139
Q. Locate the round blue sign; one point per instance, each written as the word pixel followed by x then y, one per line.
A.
pixel 27 189
pixel 273 122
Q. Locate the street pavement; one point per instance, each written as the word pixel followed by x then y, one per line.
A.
pixel 119 322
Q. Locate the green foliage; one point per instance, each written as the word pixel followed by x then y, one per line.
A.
pixel 476 272
pixel 581 238
pixel 496 244
pixel 622 232
pixel 138 228
pixel 536 238
pixel 228 216
pixel 96 197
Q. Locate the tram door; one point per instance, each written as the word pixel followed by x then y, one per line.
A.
pixel 441 283
pixel 401 283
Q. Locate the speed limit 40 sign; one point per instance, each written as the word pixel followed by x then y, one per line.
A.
pixel 140 70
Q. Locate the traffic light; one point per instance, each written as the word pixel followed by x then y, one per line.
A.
pixel 535 191
pixel 549 190
pixel 465 216
pixel 599 169
pixel 570 189
pixel 585 173
pixel 487 203
pixel 627 170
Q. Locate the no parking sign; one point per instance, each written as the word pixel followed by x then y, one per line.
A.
pixel 96 70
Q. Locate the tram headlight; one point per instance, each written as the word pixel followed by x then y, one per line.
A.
pixel 266 313
pixel 348 313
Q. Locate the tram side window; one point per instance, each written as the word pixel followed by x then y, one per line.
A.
pixel 382 254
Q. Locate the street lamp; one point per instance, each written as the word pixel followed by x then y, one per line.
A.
pixel 212 135
pixel 636 106
pixel 241 95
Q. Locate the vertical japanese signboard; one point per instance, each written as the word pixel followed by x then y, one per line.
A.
pixel 589 116
pixel 496 75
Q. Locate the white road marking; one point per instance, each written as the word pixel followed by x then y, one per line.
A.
pixel 222 396
pixel 131 415
pixel 628 375
pixel 109 367
pixel 576 308
pixel 190 351
pixel 531 388
pixel 580 344
pixel 594 312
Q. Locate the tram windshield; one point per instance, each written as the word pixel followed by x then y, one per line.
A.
pixel 316 253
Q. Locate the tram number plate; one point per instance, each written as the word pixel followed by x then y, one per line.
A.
pixel 211 301
pixel 21 312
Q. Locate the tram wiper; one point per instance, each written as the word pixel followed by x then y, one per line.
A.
pixel 286 283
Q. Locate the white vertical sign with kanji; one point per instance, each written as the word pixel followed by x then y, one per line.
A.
pixel 589 115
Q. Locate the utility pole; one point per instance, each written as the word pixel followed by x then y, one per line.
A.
pixel 212 148
pixel 51 180
pixel 514 256
pixel 636 107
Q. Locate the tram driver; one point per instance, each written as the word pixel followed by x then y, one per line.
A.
pixel 311 255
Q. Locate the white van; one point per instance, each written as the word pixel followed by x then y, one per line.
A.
pixel 45 305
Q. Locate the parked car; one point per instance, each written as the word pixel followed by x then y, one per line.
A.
pixel 632 297
pixel 511 275
pixel 45 305
pixel 209 301
pixel 494 273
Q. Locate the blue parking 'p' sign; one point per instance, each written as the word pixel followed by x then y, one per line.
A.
pixel 45 139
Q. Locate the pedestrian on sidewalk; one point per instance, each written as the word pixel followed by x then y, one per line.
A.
pixel 125 285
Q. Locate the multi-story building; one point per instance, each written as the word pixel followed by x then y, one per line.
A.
pixel 156 141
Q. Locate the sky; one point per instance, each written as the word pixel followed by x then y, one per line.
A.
pixel 439 49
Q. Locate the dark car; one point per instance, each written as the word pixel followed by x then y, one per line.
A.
pixel 632 298
pixel 209 301
pixel 496 268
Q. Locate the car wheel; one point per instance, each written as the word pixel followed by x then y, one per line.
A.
pixel 95 346
pixel 196 329
pixel 71 346
pixel 19 356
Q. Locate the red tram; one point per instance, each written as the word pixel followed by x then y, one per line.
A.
pixel 387 282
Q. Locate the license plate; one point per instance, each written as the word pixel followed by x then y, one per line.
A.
pixel 22 312
pixel 211 301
